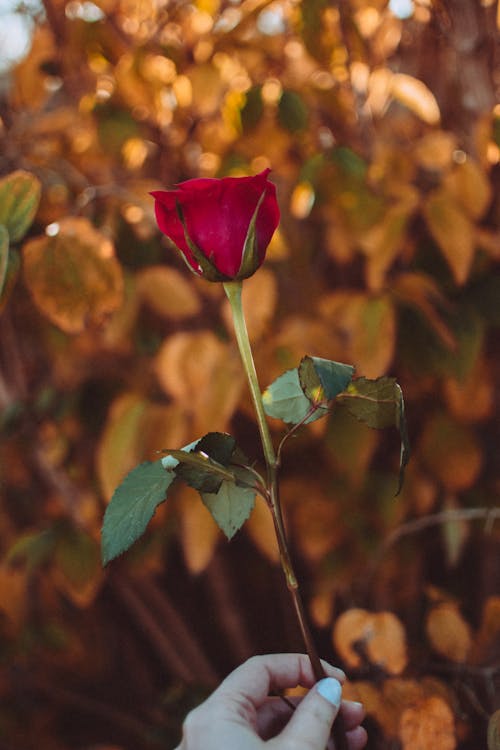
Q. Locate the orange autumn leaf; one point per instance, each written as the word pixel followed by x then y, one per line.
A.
pixel 379 635
pixel 448 632
pixel 428 724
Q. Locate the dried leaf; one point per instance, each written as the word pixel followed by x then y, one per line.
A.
pixel 365 327
pixel 168 292
pixel 448 632
pixel 204 375
pixel 380 636
pixel 13 596
pixel 429 724
pixel 470 187
pixel 452 230
pixel 73 276
pixel 4 256
pixel 421 292
pixel 472 399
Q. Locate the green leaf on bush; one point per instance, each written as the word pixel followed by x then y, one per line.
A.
pixel 322 380
pixel 19 199
pixel 292 111
pixel 230 506
pixel 284 399
pixel 4 255
pixel 379 403
pixel 132 507
pixel 32 549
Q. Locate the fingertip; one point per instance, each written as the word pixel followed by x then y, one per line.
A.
pixel 331 690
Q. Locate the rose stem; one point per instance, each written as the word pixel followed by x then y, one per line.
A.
pixel 233 291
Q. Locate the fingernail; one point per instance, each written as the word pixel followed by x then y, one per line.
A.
pixel 331 690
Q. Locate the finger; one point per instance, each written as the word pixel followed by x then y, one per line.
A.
pixel 261 675
pixel 311 723
pixel 275 713
pixel 353 713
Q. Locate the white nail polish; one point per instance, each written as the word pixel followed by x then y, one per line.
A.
pixel 331 690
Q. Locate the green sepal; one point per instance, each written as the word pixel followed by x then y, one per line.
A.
pixel 4 255
pixel 322 379
pixel 19 198
pixel 208 269
pixel 250 259
pixel 132 506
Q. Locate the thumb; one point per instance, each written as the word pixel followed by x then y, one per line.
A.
pixel 311 723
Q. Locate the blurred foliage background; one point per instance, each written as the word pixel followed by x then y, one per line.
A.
pixel 381 126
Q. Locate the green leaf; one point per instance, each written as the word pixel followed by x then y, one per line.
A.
pixel 322 380
pixel 230 506
pixel 200 471
pixel 32 549
pixel 77 556
pixel 284 399
pixel 379 403
pixel 4 255
pixel 292 111
pixel 220 446
pixel 250 258
pixel 132 507
pixel 19 199
pixel 252 109
pixel 374 402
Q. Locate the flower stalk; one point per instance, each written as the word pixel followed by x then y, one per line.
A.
pixel 233 291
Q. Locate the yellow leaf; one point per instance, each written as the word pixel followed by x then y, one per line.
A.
pixel 199 533
pixel 204 375
pixel 449 634
pixel 134 430
pixel 316 521
pixel 385 240
pixel 168 292
pixel 380 635
pixel 421 292
pixel 470 187
pixel 435 150
pixel 428 724
pixel 452 230
pixel 73 276
pixel 415 95
pixel 365 327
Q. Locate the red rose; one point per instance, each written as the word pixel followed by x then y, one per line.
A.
pixel 222 227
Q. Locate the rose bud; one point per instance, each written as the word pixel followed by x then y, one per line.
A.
pixel 222 227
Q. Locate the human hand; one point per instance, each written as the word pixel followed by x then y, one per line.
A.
pixel 241 715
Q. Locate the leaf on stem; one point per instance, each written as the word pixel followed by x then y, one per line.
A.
pixel 199 471
pixel 132 507
pixel 230 506
pixel 322 380
pixel 379 403
pixel 284 399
